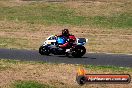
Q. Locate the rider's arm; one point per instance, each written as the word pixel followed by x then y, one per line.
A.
pixel 64 45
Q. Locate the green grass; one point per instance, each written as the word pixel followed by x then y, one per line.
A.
pixel 53 13
pixel 117 21
pixel 41 13
pixel 13 42
pixel 30 84
pixel 109 68
pixel 8 61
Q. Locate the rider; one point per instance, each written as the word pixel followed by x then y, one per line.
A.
pixel 70 39
pixel 70 42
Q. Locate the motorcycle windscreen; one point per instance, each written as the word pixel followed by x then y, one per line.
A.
pixel 81 41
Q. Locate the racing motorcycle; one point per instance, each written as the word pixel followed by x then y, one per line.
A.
pixel 51 46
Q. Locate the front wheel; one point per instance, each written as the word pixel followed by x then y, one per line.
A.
pixel 44 50
pixel 78 51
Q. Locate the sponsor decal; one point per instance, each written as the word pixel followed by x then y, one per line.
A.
pixel 82 77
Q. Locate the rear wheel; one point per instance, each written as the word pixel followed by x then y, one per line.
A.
pixel 44 50
pixel 78 51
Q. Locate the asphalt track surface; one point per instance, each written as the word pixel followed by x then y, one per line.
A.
pixel 120 60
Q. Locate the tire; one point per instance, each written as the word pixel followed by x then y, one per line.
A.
pixel 81 80
pixel 68 55
pixel 78 51
pixel 44 50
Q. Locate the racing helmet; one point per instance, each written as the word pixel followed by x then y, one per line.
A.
pixel 65 32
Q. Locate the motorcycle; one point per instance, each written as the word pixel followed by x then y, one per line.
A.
pixel 51 46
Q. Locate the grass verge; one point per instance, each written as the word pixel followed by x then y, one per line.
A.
pixel 21 74
pixel 30 84
pixel 62 14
